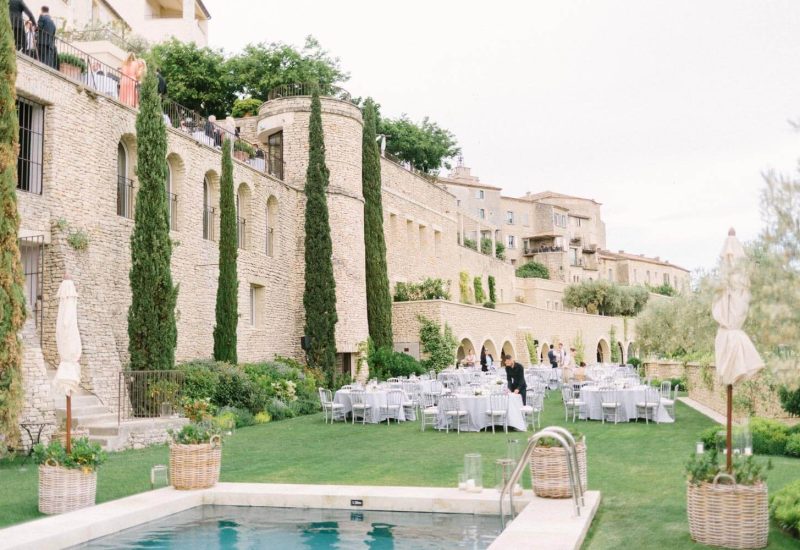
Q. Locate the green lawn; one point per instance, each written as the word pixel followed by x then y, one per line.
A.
pixel 638 468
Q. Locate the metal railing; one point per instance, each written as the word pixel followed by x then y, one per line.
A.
pixel 125 191
pixel 95 34
pixel 209 224
pixel 307 89
pixel 149 394
pixel 241 232
pixel 173 211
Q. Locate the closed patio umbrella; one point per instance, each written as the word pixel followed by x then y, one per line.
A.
pixel 68 342
pixel 736 357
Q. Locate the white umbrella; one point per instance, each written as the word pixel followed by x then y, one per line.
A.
pixel 68 341
pixel 736 357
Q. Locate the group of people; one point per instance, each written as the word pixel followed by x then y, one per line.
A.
pixel 36 38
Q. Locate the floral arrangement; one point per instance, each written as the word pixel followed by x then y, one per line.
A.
pixel 84 455
pixel 194 433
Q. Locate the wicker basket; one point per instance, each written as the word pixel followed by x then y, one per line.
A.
pixel 195 466
pixel 731 516
pixel 65 489
pixel 550 474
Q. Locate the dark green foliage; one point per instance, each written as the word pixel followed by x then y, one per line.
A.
pixel 12 298
pixel 438 344
pixel 379 299
pixel 713 437
pixel 469 243
pixel 747 470
pixel 533 270
pixel 492 290
pixel 784 507
pixel 197 78
pixel 793 445
pixel 386 363
pixel 228 283
pixel 664 289
pixel 152 332
pixel 246 107
pixel 429 289
pixel 606 298
pixel 499 250
pixel 83 454
pixel 769 436
pixel 489 305
pixel 319 297
pixel 790 400
pixel 486 248
pixel 194 434
pixel 477 285
pixel 241 417
pixel 426 146
pixel 635 361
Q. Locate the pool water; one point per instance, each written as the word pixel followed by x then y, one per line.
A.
pixel 244 527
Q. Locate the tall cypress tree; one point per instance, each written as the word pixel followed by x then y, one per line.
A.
pixel 319 297
pixel 12 297
pixel 152 334
pixel 379 300
pixel 228 283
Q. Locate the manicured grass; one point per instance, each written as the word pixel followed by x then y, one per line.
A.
pixel 638 468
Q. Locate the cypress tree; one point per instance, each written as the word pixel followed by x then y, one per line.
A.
pixel 12 297
pixel 228 283
pixel 152 334
pixel 379 299
pixel 319 296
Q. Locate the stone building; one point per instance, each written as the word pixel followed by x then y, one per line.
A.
pixel 77 195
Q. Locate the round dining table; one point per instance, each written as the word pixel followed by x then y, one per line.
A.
pixel 476 407
pixel 626 397
pixel 376 398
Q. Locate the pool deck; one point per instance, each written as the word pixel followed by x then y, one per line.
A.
pixel 541 523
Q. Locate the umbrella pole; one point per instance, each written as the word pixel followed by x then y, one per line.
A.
pixel 729 438
pixel 69 423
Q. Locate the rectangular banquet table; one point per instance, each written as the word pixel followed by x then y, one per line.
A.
pixel 477 405
pixel 376 398
pixel 627 397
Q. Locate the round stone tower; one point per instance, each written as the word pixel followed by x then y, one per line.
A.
pixel 285 121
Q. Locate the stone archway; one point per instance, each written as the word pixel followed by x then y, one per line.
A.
pixel 543 349
pixel 464 347
pixel 491 349
pixel 631 351
pixel 508 349
pixel 603 351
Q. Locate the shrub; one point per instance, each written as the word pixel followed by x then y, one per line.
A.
pixel 769 436
pixel 236 389
pixel 200 379
pixel 477 284
pixel 262 418
pixel 241 417
pixel 438 343
pixel 533 270
pixel 386 363
pixel 74 60
pixel 635 361
pixel 492 289
pixel 429 289
pixel 194 434
pixel 489 305
pixel 278 410
pixel 463 288
pixel 784 507
pixel 245 107
pixel 78 240
pixel 84 455
pixel 790 400
pixel 198 410
pixel 703 468
pixel 793 445
pixel 711 437
pixel 469 243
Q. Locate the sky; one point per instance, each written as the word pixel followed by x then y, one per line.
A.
pixel 666 112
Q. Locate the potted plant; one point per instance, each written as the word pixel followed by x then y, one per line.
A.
pixel 727 509
pixel 549 468
pixel 195 456
pixel 242 150
pixel 67 481
pixel 71 65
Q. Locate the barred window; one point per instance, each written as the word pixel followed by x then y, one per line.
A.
pixel 275 153
pixel 31 145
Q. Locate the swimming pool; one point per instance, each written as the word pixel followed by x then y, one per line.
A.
pixel 242 527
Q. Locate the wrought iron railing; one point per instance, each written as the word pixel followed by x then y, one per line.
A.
pixel 150 394
pixel 95 34
pixel 173 211
pixel 209 224
pixel 125 197
pixel 307 89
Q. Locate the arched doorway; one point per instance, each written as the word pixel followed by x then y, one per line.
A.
pixel 464 348
pixel 603 351
pixel 631 351
pixel 491 349
pixel 543 353
pixel 508 349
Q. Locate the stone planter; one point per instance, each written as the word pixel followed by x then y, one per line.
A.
pixel 65 489
pixel 730 516
pixel 195 466
pixel 70 70
pixel 241 155
pixel 550 474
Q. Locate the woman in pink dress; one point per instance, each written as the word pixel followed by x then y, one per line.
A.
pixel 133 70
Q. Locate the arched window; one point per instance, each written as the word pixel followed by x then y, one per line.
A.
pixel 242 213
pixel 272 220
pixel 124 184
pixel 172 201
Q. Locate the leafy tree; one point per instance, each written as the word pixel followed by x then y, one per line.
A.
pixel 12 297
pixel 533 270
pixel 246 107
pixel 227 309
pixel 499 250
pixel 429 289
pixel 614 345
pixel 580 348
pixel 665 289
pixel 262 67
pixel 477 284
pixel 492 290
pixel 198 78
pixel 152 333
pixel 438 344
pixel 319 297
pixel 606 298
pixel 426 146
pixel 379 299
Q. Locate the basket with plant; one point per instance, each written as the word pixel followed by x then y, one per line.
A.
pixel 727 509
pixel 195 456
pixel 67 481
pixel 550 470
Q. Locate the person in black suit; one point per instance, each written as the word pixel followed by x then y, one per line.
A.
pixel 552 357
pixel 515 375
pixel 15 10
pixel 47 39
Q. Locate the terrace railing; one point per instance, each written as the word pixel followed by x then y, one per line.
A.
pixel 150 394
pixel 307 89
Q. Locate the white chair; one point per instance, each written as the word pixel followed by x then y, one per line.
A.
pixel 392 380
pixel 450 408
pixel 329 408
pixel 572 405
pixel 533 407
pixel 498 410
pixel 411 402
pixel 610 405
pixel 648 409
pixel 393 406
pixel 361 408
pixel 346 387
pixel 429 413
pixel 669 401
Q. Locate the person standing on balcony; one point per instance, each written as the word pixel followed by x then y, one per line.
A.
pixel 15 10
pixel 47 39
pixel 30 40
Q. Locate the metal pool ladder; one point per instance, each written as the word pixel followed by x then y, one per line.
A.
pixel 567 442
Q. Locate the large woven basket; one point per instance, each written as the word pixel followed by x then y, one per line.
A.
pixel 195 466
pixel 550 474
pixel 731 516
pixel 65 489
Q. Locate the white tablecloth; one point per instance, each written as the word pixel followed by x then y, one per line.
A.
pixel 477 405
pixel 626 397
pixel 375 398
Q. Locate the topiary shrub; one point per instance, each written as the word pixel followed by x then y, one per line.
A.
pixel 784 507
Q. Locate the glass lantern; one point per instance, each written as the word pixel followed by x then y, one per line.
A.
pixel 503 468
pixel 514 450
pixel 473 469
